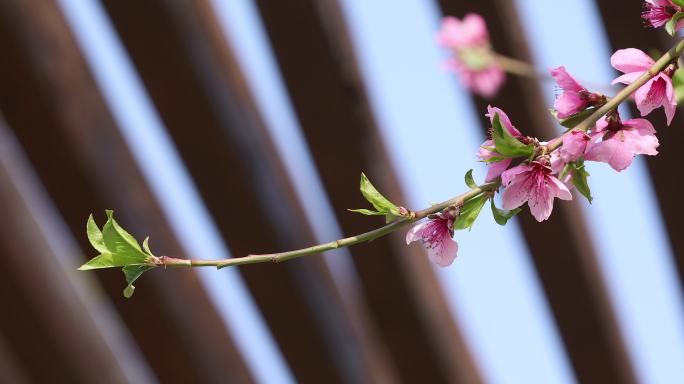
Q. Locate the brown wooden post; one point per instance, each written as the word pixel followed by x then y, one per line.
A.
pixel 60 118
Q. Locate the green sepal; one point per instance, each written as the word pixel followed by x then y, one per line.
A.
pixel 501 216
pixel 579 179
pixel 470 182
pixel 470 211
pixel 672 23
pixel 506 144
pixel 132 273
pixel 574 120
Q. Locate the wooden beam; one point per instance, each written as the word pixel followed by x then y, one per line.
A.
pixel 570 276
pixel 52 330
pixel 405 301
pixel 59 116
pixel 196 85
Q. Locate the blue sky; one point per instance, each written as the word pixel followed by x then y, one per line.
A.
pixel 432 133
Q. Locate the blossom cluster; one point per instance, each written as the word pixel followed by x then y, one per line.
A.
pixel 536 172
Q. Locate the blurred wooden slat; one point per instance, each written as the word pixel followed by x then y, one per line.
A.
pixel 622 21
pixel 195 83
pixel 319 68
pixel 563 255
pixel 10 369
pixel 59 116
pixel 44 325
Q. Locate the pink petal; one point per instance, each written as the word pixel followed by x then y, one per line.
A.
pixel 643 126
pixel 541 203
pixel 470 32
pixel 559 188
pixel 516 193
pixel 503 118
pixel 568 104
pixel 496 169
pixel 565 81
pixel 651 95
pixel 443 251
pixel 628 78
pixel 574 144
pixel 631 60
pixel 486 82
pixel 670 102
pixel 508 175
pixel 421 230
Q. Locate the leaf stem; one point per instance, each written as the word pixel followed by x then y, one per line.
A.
pixel 345 242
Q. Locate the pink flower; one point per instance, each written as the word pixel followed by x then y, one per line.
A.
pixel 658 91
pixel 435 234
pixel 617 142
pixel 657 13
pixel 574 145
pixel 575 98
pixel 496 167
pixel 473 61
pixel 535 185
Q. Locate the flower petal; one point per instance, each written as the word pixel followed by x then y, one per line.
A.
pixel 443 251
pixel 568 104
pixel 516 193
pixel 503 118
pixel 565 81
pixel 496 169
pixel 508 175
pixel 627 78
pixel 631 60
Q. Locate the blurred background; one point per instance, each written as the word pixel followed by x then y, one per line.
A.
pixel 228 127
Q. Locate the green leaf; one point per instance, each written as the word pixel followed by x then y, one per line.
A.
pixel 95 235
pixel 132 273
pixel 470 182
pixel 377 200
pixel 121 244
pixel 506 144
pixel 579 180
pixel 678 2
pixel 469 212
pixel 146 246
pixel 367 212
pixel 104 260
pixel 574 120
pixel 672 23
pixel 116 246
pixel 501 216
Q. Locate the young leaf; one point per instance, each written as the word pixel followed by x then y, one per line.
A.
pixel 377 200
pixel 146 246
pixel 121 244
pixel 672 23
pixel 132 273
pixel 116 246
pixel 501 216
pixel 470 182
pixel 506 144
pixel 579 180
pixel 469 212
pixel 574 120
pixel 367 212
